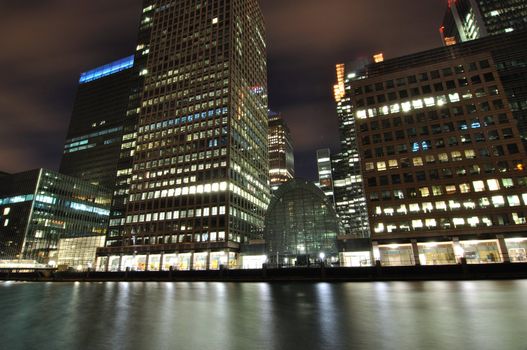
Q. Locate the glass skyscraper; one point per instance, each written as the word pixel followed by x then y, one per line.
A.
pixel 472 19
pixel 281 156
pixel 350 201
pixel 97 125
pixel 199 183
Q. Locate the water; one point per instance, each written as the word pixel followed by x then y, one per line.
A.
pixel 398 315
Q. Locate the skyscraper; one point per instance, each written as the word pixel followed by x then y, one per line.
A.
pixel 281 156
pixel 472 19
pixel 95 135
pixel 199 185
pixel 439 135
pixel 325 173
pixel 350 202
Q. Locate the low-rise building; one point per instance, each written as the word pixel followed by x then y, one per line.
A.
pixel 49 218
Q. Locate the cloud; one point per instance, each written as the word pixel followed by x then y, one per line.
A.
pixel 47 45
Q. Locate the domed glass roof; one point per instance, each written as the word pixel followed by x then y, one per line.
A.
pixel 300 220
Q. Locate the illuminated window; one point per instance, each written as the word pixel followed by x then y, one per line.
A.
pixel 392 163
pixel 493 184
pixel 381 166
pixel 443 157
pixel 379 228
pixel 425 192
pixel 437 190
pixel 464 188
pixel 470 154
pixel 417 224
pixel 402 209
pixel 7 211
pixel 458 221
pixel 513 200
pixel 473 221
pixel 484 202
pixel 479 186
pixel 441 206
pixel 431 223
pixel 414 207
pixel 450 189
pixel 456 155
pixel 507 182
pixel 454 97
pixel 454 204
pixel 498 201
pixel 418 161
pixel 427 207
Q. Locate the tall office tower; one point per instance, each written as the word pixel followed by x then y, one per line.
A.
pixel 441 152
pixel 199 184
pixel 347 181
pixel 472 19
pixel 50 218
pixel 95 135
pixel 325 173
pixel 281 156
pixel 101 138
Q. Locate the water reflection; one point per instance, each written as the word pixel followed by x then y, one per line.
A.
pixel 422 315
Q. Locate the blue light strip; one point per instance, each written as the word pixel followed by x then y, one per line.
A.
pixel 107 69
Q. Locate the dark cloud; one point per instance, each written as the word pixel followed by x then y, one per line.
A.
pixel 47 43
pixel 45 46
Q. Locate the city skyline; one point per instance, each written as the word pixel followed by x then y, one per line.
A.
pixel 45 70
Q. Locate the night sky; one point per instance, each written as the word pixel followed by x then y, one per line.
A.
pixel 46 44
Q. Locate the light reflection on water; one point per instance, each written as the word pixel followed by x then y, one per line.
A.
pixel 398 315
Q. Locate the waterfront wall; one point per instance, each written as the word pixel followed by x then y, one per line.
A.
pixel 318 274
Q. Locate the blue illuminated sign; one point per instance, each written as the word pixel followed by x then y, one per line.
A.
pixel 107 69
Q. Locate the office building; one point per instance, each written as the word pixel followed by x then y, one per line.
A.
pixel 199 185
pixel 301 225
pixel 281 156
pixel 100 143
pixel 95 135
pixel 350 201
pixel 41 208
pixel 472 19
pixel 440 142
pixel 325 173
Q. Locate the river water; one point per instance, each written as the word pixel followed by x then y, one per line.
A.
pixel 216 316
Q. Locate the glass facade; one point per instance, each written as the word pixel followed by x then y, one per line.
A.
pixel 350 201
pixel 472 19
pixel 98 124
pixel 281 156
pixel 325 173
pixel 40 208
pixel 300 221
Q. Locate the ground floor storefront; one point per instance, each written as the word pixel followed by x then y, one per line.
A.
pixel 455 251
pixel 168 261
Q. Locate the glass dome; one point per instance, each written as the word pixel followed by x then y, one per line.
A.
pixel 300 221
